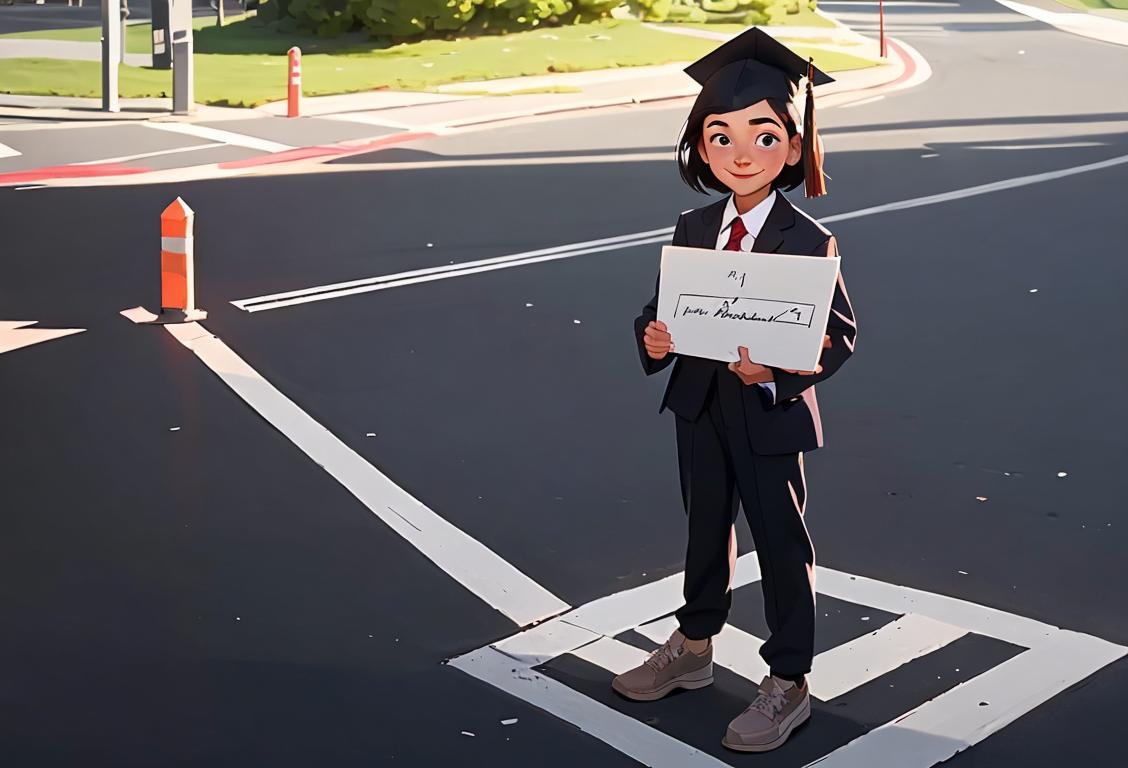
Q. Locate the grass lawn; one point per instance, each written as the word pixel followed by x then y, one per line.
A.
pixel 250 79
pixel 1096 5
pixel 805 18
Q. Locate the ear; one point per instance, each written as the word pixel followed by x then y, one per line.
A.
pixel 701 152
pixel 794 149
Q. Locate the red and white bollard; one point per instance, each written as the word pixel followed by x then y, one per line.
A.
pixel 294 89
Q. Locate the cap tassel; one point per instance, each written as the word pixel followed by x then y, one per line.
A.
pixel 815 182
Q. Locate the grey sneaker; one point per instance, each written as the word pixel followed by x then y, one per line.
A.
pixel 770 718
pixel 669 667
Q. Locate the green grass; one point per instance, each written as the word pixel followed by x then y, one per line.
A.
pixel 1096 5
pixel 805 18
pixel 250 79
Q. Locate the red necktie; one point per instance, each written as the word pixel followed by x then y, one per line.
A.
pixel 736 235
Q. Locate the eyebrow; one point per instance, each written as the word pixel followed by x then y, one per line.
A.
pixel 752 121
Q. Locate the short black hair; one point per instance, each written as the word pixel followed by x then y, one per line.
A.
pixel 696 172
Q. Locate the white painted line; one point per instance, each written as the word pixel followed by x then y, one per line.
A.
pixel 625 610
pixel 14 334
pixel 733 648
pixel 214 134
pixel 647 745
pixel 847 666
pixel 1085 24
pixel 142 155
pixel 972 711
pixel 611 654
pixel 981 189
pixel 368 284
pixel 545 642
pixel 891 4
pixel 1058 145
pixel 6 151
pixel 870 100
pixel 892 598
pixel 365 285
pixel 468 561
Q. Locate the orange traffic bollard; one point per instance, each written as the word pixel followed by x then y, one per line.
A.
pixel 178 289
pixel 294 90
pixel 178 278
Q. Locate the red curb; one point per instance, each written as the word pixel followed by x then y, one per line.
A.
pixel 68 172
pixel 304 153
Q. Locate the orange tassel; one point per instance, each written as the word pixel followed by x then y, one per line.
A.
pixel 815 182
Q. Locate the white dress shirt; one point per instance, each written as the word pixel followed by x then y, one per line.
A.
pixel 754 219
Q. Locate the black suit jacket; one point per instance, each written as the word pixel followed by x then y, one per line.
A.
pixel 792 423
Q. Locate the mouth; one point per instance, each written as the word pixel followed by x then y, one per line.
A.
pixel 746 175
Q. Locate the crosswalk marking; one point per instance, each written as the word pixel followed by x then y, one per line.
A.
pixel 847 666
pixel 733 648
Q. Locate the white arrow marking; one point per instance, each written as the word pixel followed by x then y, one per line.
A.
pixel 6 151
pixel 14 335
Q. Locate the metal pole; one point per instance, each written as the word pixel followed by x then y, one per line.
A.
pixel 183 81
pixel 124 16
pixel 881 14
pixel 111 54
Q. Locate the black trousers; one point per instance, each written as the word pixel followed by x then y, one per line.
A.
pixel 719 471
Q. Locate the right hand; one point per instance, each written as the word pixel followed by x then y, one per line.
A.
pixel 657 340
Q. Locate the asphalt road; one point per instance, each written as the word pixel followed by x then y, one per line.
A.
pixel 209 596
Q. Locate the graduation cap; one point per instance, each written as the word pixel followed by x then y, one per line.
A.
pixel 754 66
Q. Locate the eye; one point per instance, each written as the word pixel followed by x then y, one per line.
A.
pixel 720 140
pixel 767 140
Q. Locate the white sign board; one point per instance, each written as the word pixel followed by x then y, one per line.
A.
pixel 775 304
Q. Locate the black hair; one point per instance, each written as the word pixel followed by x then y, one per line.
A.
pixel 696 172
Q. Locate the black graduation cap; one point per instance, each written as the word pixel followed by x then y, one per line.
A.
pixel 754 66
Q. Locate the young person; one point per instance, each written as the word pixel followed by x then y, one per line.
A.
pixel 742 428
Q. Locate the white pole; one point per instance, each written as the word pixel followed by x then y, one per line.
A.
pixel 111 53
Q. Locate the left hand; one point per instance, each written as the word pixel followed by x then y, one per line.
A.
pixel 749 372
pixel 818 366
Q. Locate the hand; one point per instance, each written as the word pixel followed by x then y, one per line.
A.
pixel 749 372
pixel 657 340
pixel 818 366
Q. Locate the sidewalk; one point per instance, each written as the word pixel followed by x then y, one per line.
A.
pixel 1110 27
pixel 33 48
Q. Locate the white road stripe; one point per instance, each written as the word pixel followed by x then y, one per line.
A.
pixel 14 334
pixel 336 290
pixel 611 654
pixel 214 134
pixel 630 736
pixel 892 598
pixel 6 151
pixel 847 666
pixel 870 100
pixel 892 4
pixel 364 285
pixel 142 155
pixel 545 642
pixel 972 711
pixel 733 648
pixel 468 561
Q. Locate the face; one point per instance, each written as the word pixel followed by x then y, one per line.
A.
pixel 747 149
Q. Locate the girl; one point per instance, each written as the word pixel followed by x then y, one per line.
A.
pixel 742 428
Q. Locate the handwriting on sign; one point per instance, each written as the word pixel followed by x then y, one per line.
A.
pixel 744 309
pixel 737 277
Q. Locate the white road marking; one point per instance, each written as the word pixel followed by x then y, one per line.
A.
pixel 364 285
pixel 847 666
pixel 870 100
pixel 215 134
pixel 630 736
pixel 733 648
pixel 468 561
pixel 924 736
pixel 142 155
pixel 6 151
pixel 15 334
pixel 611 654
pixel 336 290
pixel 1085 24
pixel 1058 145
pixel 972 711
pixel 892 4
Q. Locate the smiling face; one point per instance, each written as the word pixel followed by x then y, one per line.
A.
pixel 747 149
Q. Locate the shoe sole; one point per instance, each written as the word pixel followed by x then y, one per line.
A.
pixel 687 681
pixel 802 715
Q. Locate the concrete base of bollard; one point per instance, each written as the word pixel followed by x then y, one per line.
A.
pixel 142 316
